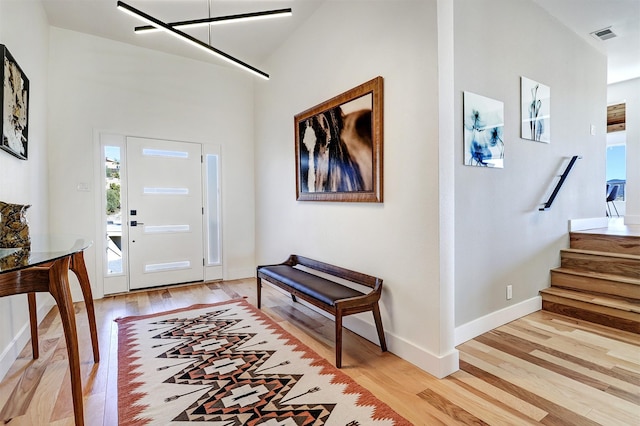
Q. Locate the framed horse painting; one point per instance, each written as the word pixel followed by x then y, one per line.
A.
pixel 338 147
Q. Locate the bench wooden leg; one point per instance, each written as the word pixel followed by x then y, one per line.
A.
pixel 338 339
pixel 259 292
pixel 378 319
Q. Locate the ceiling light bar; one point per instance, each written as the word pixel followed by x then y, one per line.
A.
pixel 189 39
pixel 219 20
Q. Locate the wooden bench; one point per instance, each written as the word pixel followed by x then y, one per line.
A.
pixel 330 296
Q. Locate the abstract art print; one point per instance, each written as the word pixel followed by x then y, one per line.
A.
pixel 14 107
pixel 483 131
pixel 338 147
pixel 536 110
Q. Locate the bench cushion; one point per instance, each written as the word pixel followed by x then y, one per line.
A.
pixel 319 288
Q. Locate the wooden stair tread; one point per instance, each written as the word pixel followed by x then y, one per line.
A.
pixel 619 231
pixel 598 275
pixel 601 253
pixel 603 236
pixel 610 302
pixel 598 279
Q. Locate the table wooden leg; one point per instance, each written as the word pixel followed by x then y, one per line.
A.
pixel 79 268
pixel 59 289
pixel 33 320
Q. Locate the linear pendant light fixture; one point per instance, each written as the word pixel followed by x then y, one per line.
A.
pixel 189 39
pixel 219 20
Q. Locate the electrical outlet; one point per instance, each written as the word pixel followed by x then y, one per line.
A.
pixel 509 292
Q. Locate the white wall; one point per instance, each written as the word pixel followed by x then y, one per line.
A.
pixel 344 44
pixel 106 86
pixel 629 92
pixel 24 31
pixel 100 85
pixel 501 237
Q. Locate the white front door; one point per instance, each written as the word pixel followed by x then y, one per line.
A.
pixel 165 212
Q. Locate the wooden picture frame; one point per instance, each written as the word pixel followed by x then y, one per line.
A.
pixel 338 147
pixel 14 108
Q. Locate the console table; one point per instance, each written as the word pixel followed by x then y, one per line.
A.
pixel 45 268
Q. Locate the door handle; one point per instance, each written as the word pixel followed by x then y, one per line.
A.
pixel 136 223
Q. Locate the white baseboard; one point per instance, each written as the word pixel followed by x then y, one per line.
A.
pixel 589 223
pixel 236 274
pixel 11 352
pixel 495 319
pixel 632 220
pixel 438 366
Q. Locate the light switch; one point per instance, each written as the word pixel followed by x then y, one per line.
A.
pixel 83 187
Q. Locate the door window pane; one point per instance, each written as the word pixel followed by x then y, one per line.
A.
pixel 113 213
pixel 213 211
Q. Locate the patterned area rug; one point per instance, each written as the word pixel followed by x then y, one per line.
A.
pixel 229 364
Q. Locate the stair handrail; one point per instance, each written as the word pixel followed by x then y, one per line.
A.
pixel 563 177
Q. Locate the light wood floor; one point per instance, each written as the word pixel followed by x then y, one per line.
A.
pixel 540 369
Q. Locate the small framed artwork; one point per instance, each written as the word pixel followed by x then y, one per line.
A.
pixel 338 147
pixel 14 107
pixel 483 131
pixel 536 110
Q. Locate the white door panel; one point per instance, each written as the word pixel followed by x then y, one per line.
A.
pixel 165 212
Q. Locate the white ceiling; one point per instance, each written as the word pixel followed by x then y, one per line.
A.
pixel 253 42
pixel 250 42
pixel 623 16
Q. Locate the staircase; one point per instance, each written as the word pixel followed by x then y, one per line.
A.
pixel 598 280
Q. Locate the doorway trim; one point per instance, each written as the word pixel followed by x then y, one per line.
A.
pixel 212 270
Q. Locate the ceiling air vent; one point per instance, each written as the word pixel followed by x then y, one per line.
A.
pixel 604 34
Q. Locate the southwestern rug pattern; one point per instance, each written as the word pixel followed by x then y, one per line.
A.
pixel 229 364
